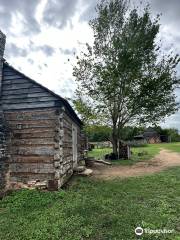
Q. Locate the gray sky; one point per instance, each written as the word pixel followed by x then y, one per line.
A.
pixel 43 34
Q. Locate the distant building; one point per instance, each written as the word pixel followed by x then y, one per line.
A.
pixel 151 136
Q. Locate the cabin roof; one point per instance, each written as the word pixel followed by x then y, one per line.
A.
pixel 141 136
pixel 150 132
pixel 63 100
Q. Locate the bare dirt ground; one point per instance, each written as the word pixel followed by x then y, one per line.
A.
pixel 162 161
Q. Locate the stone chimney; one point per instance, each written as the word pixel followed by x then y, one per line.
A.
pixel 2 48
pixel 3 127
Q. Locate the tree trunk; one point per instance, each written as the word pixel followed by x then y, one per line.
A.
pixel 115 139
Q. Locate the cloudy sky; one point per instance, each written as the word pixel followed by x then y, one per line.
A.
pixel 43 34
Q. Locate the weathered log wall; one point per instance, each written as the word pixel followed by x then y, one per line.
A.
pixel 64 160
pixel 32 146
pixel 41 147
pixel 67 140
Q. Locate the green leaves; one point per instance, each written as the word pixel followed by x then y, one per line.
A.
pixel 125 71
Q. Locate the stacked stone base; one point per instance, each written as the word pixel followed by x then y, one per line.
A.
pixel 3 152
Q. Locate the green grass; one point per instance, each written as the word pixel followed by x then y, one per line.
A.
pixel 95 210
pixel 148 151
pixel 175 147
pixel 99 153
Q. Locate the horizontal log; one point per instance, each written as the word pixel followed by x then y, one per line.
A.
pixel 33 130
pixel 26 176
pixel 65 156
pixel 67 142
pixel 31 115
pixel 33 142
pixel 67 138
pixel 34 135
pixel 32 124
pixel 68 127
pixel 31 159
pixel 68 134
pixel 32 168
pixel 67 148
pixel 34 151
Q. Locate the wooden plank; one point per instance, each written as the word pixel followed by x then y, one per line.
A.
pixel 11 76
pixel 33 142
pixel 69 156
pixel 29 105
pixel 33 151
pixel 31 159
pixel 33 130
pixel 28 100
pixel 24 124
pixel 25 176
pixel 7 73
pixel 32 168
pixel 22 91
pixel 34 135
pixel 15 81
pixel 18 86
pixel 26 95
pixel 31 115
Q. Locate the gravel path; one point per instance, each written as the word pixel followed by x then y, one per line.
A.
pixel 162 161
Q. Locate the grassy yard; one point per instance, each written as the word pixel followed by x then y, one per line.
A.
pixel 146 152
pixel 95 210
pixel 89 209
pixel 175 147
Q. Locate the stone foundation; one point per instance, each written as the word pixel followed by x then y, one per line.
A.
pixel 4 166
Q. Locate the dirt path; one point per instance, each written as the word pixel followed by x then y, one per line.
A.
pixel 163 160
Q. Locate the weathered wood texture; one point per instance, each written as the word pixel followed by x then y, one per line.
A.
pixel 40 122
pixel 18 92
pixel 64 160
pixel 21 92
pixel 41 146
pixel 3 129
pixel 32 147
pixel 4 166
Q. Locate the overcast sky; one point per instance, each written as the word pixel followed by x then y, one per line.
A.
pixel 43 34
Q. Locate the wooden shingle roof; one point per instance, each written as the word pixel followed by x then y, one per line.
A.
pixel 21 92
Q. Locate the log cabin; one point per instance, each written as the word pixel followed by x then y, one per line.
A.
pixel 40 133
pixel 151 136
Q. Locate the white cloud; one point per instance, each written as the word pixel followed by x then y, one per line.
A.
pixel 43 52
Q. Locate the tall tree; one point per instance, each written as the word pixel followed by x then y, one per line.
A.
pixel 125 72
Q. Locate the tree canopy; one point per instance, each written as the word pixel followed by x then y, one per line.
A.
pixel 125 73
